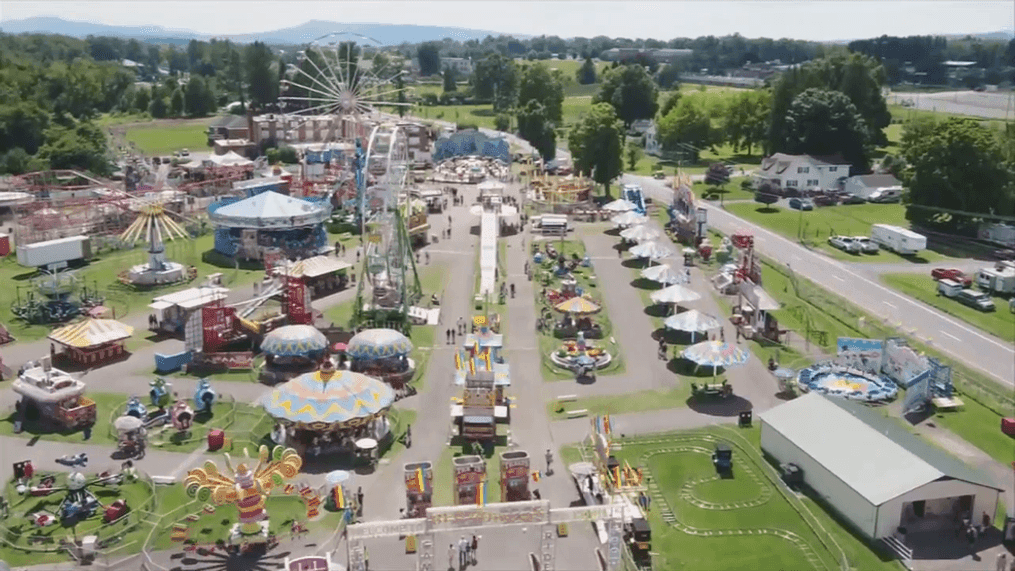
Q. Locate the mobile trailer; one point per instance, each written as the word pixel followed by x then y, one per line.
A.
pixel 899 240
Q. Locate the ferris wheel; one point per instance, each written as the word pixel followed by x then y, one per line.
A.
pixel 341 73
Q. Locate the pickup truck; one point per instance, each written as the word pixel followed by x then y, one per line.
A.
pixel 953 274
pixel 845 243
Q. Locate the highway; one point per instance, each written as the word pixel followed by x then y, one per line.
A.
pixel 952 337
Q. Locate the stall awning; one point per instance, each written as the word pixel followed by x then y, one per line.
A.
pixel 316 267
pixel 160 305
pixel 757 297
pixel 91 332
pixel 478 420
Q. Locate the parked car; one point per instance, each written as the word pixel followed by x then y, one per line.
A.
pixel 801 204
pixel 976 300
pixel 156 161
pixel 867 246
pixel 953 274
pixel 185 153
pixel 1004 254
pixel 885 196
pixel 825 200
pixel 853 199
pixel 844 243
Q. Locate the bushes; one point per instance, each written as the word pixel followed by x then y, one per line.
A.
pixel 285 155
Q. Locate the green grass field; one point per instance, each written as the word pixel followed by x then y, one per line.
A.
pixel 699 537
pixel 846 219
pixel 162 138
pixel 923 287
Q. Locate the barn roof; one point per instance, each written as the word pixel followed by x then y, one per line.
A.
pixel 868 451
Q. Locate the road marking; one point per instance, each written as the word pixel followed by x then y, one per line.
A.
pixel 838 277
pixel 950 335
pixel 889 305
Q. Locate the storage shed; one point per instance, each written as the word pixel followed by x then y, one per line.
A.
pixel 875 473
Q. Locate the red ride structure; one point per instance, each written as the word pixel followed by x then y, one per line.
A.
pixel 749 268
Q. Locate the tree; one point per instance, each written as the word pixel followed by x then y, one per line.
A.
pixel 496 79
pixel 195 52
pixel 502 122
pixel 766 198
pixel 958 165
pixel 400 97
pixel 539 84
pixel 717 174
pixel 669 104
pixel 81 145
pixel 134 51
pixel 158 108
pixel 142 99
pixel 668 77
pixel 23 125
pixel 686 124
pixel 586 74
pixel 199 99
pixel 746 122
pixel 261 81
pixel 536 127
pixel 634 154
pixel 597 143
pixel 176 103
pixel 632 93
pixel 821 122
pixel 15 161
pixel 449 80
pixel 429 57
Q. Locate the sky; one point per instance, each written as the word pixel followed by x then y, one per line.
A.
pixel 818 21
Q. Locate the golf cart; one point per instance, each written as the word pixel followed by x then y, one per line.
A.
pixel 722 458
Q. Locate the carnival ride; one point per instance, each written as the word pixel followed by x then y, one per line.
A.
pixel 52 396
pixel 55 296
pixel 557 193
pixel 155 225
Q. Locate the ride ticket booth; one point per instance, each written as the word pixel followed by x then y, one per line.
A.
pixel 514 476
pixel 418 488
pixel 470 472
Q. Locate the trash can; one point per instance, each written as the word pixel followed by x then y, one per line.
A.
pixel 216 439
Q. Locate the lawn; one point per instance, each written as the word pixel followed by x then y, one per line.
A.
pixel 924 288
pixel 544 277
pixel 234 418
pixel 818 224
pixel 102 274
pixel 681 477
pixel 675 397
pixel 164 138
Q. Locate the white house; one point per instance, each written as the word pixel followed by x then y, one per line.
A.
pixel 801 171
pixel 865 185
pixel 872 471
pixel 462 66
pixel 652 146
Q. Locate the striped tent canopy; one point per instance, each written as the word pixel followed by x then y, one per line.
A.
pixel 716 354
pixel 91 333
pixel 577 306
pixel 328 400
pixel 294 341
pixel 378 344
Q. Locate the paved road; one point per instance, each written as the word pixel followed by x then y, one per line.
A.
pixel 978 350
pixel 976 104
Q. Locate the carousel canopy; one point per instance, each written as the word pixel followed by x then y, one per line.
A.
pixel 619 205
pixel 270 210
pixel 378 344
pixel 91 332
pixel 663 274
pixel 651 250
pixel 294 341
pixel 674 294
pixel 320 402
pixel 716 354
pixel 639 233
pixel 692 320
pixel 577 306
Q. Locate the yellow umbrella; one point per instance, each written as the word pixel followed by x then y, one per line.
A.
pixel 577 306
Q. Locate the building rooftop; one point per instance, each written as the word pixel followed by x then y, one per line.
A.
pixel 870 452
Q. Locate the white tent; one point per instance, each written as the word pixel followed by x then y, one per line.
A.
pixel 619 205
pixel 651 250
pixel 639 233
pixel 693 321
pixel 628 219
pixel 231 159
pixel 674 294
pixel 663 274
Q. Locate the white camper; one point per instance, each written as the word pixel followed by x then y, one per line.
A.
pixel 899 240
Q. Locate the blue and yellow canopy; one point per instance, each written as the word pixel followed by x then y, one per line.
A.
pixel 318 402
pixel 378 344
pixel 294 341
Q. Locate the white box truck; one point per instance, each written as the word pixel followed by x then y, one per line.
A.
pixel 41 254
pixel 1000 279
pixel 898 240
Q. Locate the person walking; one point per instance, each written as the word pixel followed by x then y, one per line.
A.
pixel 359 501
pixel 366 558
pixel 549 462
pixel 1002 562
pixel 475 546
pixel 451 556
pixel 408 436
pixel 722 335
pixel 463 552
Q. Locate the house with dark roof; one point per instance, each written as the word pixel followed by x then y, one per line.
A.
pixel 801 172
pixel 228 127
pixel 876 474
pixel 866 185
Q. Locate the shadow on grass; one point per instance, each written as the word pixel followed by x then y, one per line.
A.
pixel 917 259
pixel 645 283
pixel 660 310
pixel 483 112
pixel 682 366
pixel 635 263
pixel 716 406
pixel 767 209
pixel 612 232
pixel 675 337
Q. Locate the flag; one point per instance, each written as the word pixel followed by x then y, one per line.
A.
pixel 606 425
pixel 481 494
pixel 289 489
pixel 472 366
pixel 458 360
pixel 535 476
pixel 339 496
pixel 420 481
pixel 616 475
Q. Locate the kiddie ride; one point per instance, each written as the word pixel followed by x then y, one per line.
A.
pixel 79 503
pixel 581 357
pixel 712 391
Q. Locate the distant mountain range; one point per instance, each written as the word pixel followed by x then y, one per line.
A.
pixel 386 34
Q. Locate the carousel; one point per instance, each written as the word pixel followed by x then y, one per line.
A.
pixel 561 195
pixel 330 411
pixel 292 350
pixel 269 222
pixel 382 354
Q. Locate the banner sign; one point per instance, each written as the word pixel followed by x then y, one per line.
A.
pixel 458 517
pixel 864 354
pixel 230 360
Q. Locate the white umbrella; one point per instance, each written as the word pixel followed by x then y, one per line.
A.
pixel 127 423
pixel 620 205
pixel 366 444
pixel 337 477
pixel 663 274
pixel 651 250
pixel 640 233
pixel 674 294
pixel 628 219
pixel 693 321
